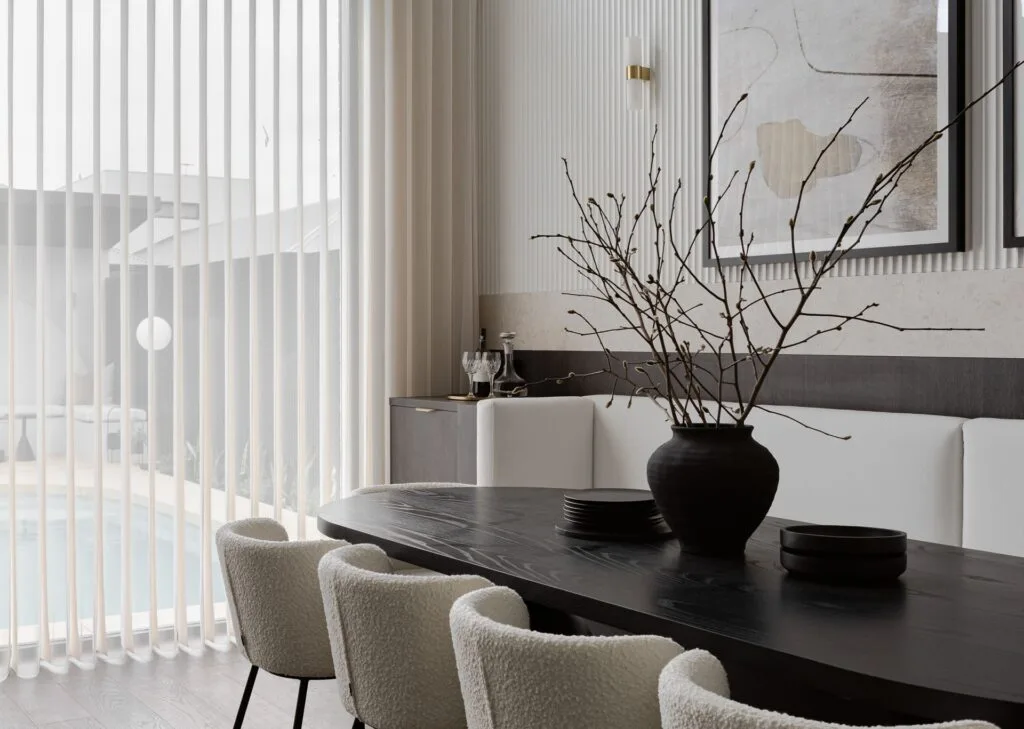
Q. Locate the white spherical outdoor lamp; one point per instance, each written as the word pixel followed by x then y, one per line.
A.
pixel 161 334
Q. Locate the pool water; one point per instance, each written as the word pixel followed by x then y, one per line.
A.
pixel 29 574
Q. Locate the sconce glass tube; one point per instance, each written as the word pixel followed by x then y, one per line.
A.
pixel 636 74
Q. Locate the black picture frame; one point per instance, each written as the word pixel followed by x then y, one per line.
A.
pixel 1010 19
pixel 956 139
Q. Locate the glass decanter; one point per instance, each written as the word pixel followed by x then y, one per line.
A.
pixel 508 383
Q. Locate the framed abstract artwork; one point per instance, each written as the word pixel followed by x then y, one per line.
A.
pixel 806 65
pixel 1013 120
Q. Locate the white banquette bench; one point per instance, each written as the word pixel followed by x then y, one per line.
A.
pixel 940 479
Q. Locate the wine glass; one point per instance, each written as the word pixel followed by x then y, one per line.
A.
pixel 470 363
pixel 491 362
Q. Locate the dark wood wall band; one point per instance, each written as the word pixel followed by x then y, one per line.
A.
pixel 966 387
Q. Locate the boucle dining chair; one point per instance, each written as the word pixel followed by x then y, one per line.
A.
pixel 694 694
pixel 274 596
pixel 391 642
pixel 515 678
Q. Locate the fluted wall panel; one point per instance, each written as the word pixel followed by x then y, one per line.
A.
pixel 552 84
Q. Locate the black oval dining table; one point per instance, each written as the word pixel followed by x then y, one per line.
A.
pixel 944 642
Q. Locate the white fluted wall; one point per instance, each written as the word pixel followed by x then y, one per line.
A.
pixel 551 83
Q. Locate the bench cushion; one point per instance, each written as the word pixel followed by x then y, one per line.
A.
pixel 624 438
pixel 535 442
pixel 994 485
pixel 898 470
pixel 902 471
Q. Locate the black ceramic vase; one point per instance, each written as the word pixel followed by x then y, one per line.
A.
pixel 713 485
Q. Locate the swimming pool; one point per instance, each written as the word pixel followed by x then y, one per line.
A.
pixel 28 572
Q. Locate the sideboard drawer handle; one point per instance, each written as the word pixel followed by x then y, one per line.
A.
pixel 425 410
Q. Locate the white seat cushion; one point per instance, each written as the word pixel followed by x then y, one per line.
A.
pixel 529 442
pixel 898 470
pixel 993 485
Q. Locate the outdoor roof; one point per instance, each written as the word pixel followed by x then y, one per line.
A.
pixel 56 220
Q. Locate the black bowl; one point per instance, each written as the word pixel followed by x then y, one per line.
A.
pixel 844 568
pixel 829 539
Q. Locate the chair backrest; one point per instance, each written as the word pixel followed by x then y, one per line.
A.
pixel 694 694
pixel 515 678
pixel 274 596
pixel 391 642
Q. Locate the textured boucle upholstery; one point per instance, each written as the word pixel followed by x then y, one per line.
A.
pixel 391 641
pixel 514 678
pixel 274 595
pixel 694 694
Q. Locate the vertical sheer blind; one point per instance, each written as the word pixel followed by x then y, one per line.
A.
pixel 231 229
pixel 172 187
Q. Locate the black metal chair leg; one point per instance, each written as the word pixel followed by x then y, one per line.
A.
pixel 245 697
pixel 300 706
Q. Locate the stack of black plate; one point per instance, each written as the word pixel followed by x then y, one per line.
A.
pixel 850 554
pixel 612 515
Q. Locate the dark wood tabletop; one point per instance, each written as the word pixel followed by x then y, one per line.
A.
pixel 946 641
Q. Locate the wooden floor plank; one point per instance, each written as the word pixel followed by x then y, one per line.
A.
pixel 173 702
pixel 111 703
pixel 184 692
pixel 11 715
pixel 323 703
pixel 44 701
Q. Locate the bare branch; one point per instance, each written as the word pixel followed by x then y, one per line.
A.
pixel 695 363
pixel 802 423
